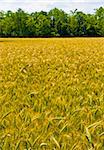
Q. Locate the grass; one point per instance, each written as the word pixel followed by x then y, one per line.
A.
pixel 52 94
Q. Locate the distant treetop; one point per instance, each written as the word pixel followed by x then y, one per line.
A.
pixel 51 24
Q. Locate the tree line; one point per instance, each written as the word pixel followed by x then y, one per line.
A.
pixel 55 23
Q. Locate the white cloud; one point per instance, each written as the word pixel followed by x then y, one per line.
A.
pixel 89 0
pixel 46 5
pixel 65 0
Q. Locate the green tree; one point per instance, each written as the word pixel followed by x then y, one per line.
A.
pixel 100 21
pixel 53 23
pixel 58 23
pixel 2 15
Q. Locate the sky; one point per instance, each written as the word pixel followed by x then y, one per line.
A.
pixel 86 6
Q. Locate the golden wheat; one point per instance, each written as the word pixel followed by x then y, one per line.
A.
pixel 52 94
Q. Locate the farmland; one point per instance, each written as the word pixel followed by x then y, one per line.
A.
pixel 52 94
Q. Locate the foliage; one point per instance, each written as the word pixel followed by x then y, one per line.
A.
pixel 52 94
pixel 53 23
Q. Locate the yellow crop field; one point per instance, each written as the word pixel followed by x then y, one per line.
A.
pixel 52 94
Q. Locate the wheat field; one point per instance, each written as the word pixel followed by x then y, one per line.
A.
pixel 52 94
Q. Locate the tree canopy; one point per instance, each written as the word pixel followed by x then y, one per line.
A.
pixel 55 23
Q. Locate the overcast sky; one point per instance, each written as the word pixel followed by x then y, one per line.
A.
pixel 86 6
